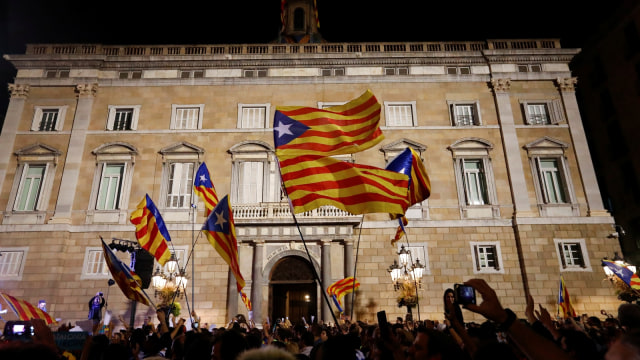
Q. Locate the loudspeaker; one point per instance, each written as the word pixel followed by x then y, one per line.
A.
pixel 144 267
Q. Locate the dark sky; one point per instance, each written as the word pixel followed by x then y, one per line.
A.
pixel 233 21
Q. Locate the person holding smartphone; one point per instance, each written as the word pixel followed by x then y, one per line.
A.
pixel 450 298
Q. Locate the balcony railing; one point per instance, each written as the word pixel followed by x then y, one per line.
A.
pixel 272 210
pixel 271 49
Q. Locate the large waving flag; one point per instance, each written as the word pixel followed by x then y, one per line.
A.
pixel 565 308
pixel 340 288
pixel 344 129
pixel 312 181
pixel 151 232
pixel 127 280
pixel 203 186
pixel 624 273
pixel 26 311
pixel 402 222
pixel 221 233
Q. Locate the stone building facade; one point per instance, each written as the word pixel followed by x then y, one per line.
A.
pixel 90 129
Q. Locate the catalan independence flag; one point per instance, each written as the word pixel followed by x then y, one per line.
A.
pixel 344 129
pixel 565 308
pixel 151 232
pixel 409 163
pixel 127 280
pixel 342 287
pixel 25 310
pixel 203 186
pixel 312 181
pixel 221 233
pixel 624 273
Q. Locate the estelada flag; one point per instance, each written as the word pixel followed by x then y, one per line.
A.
pixel 203 186
pixel 151 232
pixel 25 310
pixel 344 129
pixel 127 280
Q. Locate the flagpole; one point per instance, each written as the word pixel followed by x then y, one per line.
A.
pixel 313 268
pixel 194 208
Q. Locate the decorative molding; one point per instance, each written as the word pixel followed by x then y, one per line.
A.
pixel 567 84
pixel 19 91
pixel 86 90
pixel 501 85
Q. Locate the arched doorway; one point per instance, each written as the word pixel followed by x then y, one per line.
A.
pixel 293 292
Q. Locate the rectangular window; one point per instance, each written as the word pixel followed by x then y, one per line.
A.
pixel 572 255
pixel 538 114
pixel 11 263
pixel 251 178
pixel 255 73
pixel 475 183
pixel 130 74
pixel 396 71
pixel 253 117
pixel 123 119
pixel 49 120
pixel 187 118
pixel 486 257
pixel 95 264
pixel 458 70
pixel 110 187
pixel 399 114
pixel 551 181
pixel 30 188
pixel 180 185
pixel 464 115
pixel 333 72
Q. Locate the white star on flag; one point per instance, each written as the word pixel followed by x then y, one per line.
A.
pixel 203 178
pixel 283 129
pixel 220 220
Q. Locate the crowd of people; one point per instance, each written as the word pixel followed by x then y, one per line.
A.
pixel 533 335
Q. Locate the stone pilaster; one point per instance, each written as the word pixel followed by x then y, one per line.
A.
pixel 232 297
pixel 348 271
pixel 511 147
pixel 585 166
pixel 86 94
pixel 19 94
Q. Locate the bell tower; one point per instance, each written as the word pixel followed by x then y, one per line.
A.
pixel 299 22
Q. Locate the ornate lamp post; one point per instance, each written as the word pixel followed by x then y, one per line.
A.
pixel 170 281
pixel 406 278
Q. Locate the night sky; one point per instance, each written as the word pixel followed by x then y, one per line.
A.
pixel 221 22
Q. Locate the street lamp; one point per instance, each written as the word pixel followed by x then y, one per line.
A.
pixel 406 277
pixel 170 281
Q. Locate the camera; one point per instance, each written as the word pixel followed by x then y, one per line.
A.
pixel 464 294
pixel 18 330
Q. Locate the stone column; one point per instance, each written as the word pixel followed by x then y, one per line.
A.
pixel 73 162
pixel 19 94
pixel 256 280
pixel 348 271
pixel 326 278
pixel 512 151
pixel 583 156
pixel 232 297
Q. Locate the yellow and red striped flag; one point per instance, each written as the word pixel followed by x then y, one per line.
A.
pixel 342 287
pixel 151 232
pixel 203 186
pixel 221 233
pixel 245 300
pixel 345 129
pixel 25 310
pixel 315 12
pixel 312 181
pixel 565 308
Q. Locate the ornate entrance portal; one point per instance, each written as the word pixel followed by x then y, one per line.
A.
pixel 293 292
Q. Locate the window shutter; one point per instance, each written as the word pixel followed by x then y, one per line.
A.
pixel 580 259
pixel 452 111
pixel 557 112
pixel 495 258
pixel 475 251
pixel 561 250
